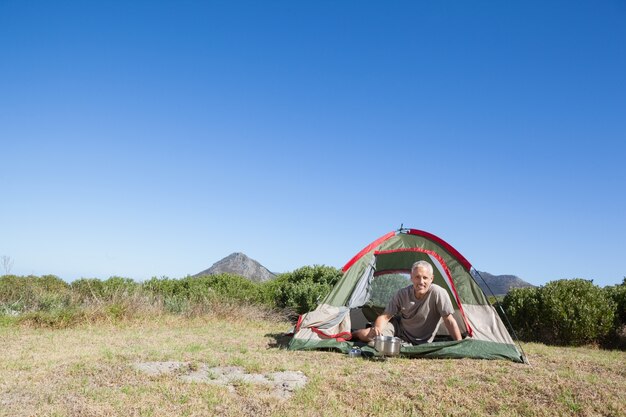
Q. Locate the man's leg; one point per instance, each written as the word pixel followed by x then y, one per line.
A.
pixel 367 335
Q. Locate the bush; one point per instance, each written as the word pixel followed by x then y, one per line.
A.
pixel 302 289
pixel 617 293
pixel 15 290
pixel 32 293
pixel 118 286
pixel 51 284
pixel 48 301
pixel 58 318
pixel 164 287
pixel 563 312
pixel 575 312
pixel 204 288
pixel 224 286
pixel 522 309
pixel 92 289
pixel 87 289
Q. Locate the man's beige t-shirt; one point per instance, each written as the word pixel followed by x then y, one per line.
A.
pixel 416 321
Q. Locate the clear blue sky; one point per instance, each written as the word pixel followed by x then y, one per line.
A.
pixel 153 138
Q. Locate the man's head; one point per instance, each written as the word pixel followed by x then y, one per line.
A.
pixel 421 277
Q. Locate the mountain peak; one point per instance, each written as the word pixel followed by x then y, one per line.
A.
pixel 500 284
pixel 239 263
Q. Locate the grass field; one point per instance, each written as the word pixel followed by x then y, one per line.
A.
pixel 88 371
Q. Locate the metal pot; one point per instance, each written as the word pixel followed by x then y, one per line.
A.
pixel 387 345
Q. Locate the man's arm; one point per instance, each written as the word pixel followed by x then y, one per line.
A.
pixel 368 334
pixel 452 326
pixel 379 325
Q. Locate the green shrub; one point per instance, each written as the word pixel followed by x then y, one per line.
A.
pixel 58 318
pixel 522 308
pixel 176 304
pixel 28 289
pixel 164 287
pixel 618 294
pixel 268 291
pixel 51 283
pixel 48 301
pixel 494 300
pixel 14 289
pixel 563 312
pixel 117 311
pixel 87 289
pixel 92 289
pixel 8 321
pixel 51 301
pixel 302 289
pixel 118 286
pixel 205 288
pixel 575 312
pixel 32 293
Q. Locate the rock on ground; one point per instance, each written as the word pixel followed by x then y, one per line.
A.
pixel 283 383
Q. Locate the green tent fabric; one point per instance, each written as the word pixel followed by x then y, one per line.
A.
pixel 374 274
pixel 466 348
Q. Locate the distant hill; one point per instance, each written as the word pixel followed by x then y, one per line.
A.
pixel 239 264
pixel 500 284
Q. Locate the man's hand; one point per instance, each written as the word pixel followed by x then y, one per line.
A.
pixel 374 331
pixel 379 325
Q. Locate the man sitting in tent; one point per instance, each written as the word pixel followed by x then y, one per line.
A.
pixel 413 313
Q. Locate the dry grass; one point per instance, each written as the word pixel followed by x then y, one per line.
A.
pixel 87 371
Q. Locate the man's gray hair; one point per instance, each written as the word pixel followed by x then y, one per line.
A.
pixel 423 264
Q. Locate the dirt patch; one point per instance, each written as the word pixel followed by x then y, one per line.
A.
pixel 281 384
pixel 160 368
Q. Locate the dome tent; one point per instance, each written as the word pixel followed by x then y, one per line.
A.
pixel 374 274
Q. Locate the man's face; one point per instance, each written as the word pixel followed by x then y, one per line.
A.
pixel 421 279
